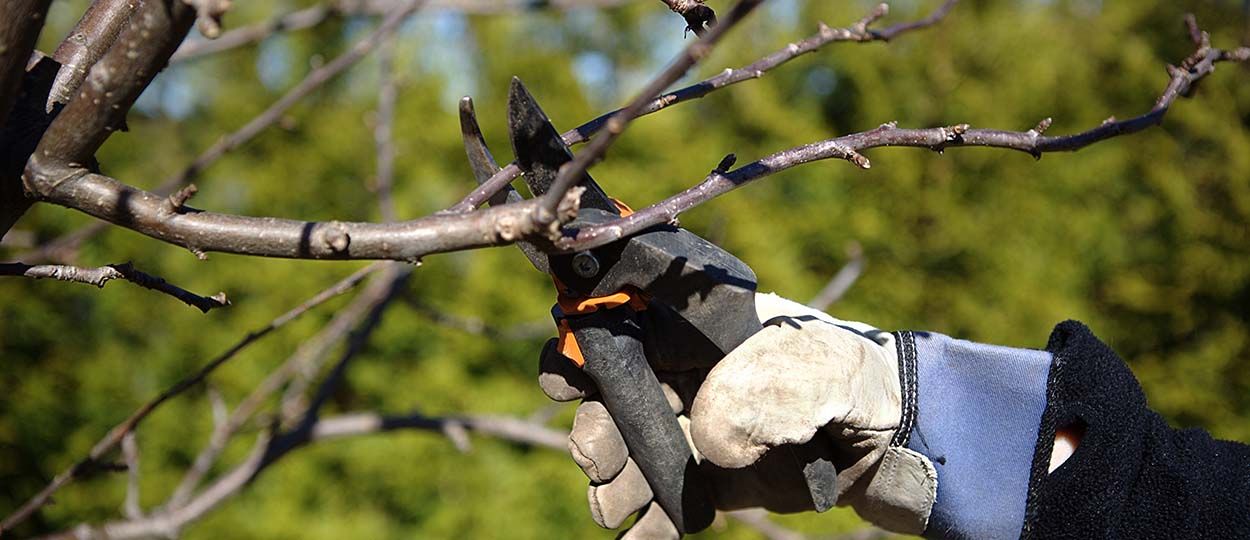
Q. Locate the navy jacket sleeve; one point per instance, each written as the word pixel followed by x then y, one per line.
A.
pixel 1132 475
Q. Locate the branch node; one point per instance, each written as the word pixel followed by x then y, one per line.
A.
pixel 173 204
pixel 336 237
pixel 1042 126
pixel 458 435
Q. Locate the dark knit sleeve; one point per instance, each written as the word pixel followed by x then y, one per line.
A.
pixel 1132 475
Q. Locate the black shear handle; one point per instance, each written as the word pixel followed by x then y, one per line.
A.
pixel 611 343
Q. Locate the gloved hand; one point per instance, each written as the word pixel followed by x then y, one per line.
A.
pixel 806 383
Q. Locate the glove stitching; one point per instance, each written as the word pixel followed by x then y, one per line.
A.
pixel 906 346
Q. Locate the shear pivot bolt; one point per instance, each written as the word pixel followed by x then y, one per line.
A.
pixel 585 265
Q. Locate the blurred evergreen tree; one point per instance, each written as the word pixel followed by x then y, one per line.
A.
pixel 1143 238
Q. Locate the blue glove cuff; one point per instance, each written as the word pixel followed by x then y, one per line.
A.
pixel 974 411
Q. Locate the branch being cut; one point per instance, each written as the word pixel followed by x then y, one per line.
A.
pixel 571 173
pixel 62 247
pixel 202 232
pixel 90 463
pixel 859 33
pixel 104 274
pixel 1182 80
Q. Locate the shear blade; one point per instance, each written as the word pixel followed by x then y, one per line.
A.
pixel 540 151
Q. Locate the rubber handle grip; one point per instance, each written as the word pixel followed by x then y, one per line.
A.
pixel 611 343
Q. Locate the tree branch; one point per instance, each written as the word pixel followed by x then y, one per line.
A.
pixel 202 232
pixel 858 33
pixel 84 466
pixel 102 275
pixel 848 147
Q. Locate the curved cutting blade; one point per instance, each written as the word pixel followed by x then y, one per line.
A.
pixel 540 151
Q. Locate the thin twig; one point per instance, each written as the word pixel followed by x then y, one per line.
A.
pixel 130 451
pixel 571 172
pixel 858 33
pixel 314 80
pixel 306 360
pixel 104 274
pixel 848 147
pixel 478 327
pixel 114 437
pixel 841 281
pixel 293 21
pixel 268 450
pixel 315 15
pixel 757 519
pixel 502 427
pixel 383 132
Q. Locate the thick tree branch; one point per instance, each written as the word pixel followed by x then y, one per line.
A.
pixel 19 29
pixel 104 274
pixel 86 465
pixel 848 147
pixel 202 232
pixel 571 172
pixel 94 34
pixel 858 32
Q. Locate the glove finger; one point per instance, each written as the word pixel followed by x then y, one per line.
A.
pixel 613 502
pixel 674 400
pixel 653 524
pixel 596 444
pixel 559 378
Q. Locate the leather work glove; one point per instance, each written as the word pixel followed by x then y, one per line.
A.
pixel 807 382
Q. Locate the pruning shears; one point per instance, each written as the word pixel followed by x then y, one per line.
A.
pixel 626 306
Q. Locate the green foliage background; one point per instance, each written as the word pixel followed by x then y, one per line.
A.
pixel 1144 238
